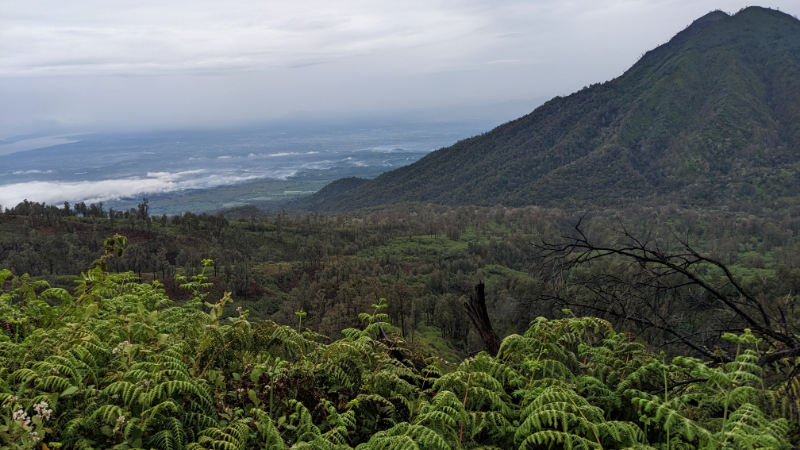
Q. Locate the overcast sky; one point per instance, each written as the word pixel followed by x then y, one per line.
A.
pixel 93 65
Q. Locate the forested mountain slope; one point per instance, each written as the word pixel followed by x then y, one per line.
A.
pixel 710 118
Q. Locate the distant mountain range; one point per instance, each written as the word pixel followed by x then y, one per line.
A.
pixel 710 118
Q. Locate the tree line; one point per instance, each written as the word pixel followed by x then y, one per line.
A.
pixel 425 259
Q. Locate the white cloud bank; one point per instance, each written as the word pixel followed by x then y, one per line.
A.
pixel 95 191
pixel 28 172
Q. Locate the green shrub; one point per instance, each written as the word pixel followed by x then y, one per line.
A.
pixel 117 364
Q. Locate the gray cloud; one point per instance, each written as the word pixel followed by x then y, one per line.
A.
pixel 94 64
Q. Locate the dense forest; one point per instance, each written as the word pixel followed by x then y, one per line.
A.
pixel 621 328
pixel 425 259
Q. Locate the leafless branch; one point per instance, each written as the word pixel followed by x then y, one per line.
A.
pixel 655 287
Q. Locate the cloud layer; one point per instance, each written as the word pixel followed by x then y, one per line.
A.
pixel 151 63
pixel 103 190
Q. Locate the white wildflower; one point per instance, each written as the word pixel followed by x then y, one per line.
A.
pixel 121 346
pixel 120 423
pixel 21 416
pixel 43 410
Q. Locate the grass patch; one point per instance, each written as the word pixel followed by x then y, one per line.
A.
pixel 417 248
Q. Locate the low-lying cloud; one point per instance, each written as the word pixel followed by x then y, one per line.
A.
pixel 54 192
pixel 28 172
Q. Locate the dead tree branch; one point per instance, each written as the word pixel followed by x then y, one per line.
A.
pixel 657 288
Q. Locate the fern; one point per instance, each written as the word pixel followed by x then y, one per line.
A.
pixel 122 365
pixel 404 436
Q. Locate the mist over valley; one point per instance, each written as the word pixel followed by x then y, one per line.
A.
pixel 118 169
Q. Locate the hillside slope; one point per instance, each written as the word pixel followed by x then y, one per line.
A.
pixel 709 118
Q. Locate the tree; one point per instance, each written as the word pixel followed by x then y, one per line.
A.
pixel 137 258
pixel 401 298
pixel 143 209
pixel 664 284
pixel 80 208
pixel 476 309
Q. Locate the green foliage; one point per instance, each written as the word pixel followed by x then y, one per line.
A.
pixel 117 364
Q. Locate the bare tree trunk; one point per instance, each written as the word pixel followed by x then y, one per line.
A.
pixel 476 308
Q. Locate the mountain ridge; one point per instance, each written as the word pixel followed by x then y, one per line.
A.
pixel 711 110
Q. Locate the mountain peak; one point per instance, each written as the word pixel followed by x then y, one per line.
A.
pixel 713 16
pixel 695 120
pixel 683 36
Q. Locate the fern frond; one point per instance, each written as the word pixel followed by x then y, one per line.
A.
pixel 551 437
